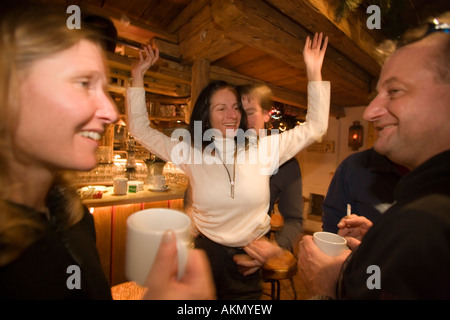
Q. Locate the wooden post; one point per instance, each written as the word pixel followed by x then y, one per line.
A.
pixel 200 78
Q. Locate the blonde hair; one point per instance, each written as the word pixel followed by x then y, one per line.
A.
pixel 260 92
pixel 28 33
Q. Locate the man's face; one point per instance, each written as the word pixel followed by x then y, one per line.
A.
pixel 411 111
pixel 256 116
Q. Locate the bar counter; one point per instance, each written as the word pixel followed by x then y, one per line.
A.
pixel 110 216
pixel 174 192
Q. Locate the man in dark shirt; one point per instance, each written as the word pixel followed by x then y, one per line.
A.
pixel 406 254
pixel 366 180
pixel 286 183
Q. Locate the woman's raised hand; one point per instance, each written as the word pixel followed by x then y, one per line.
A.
pixel 313 54
pixel 147 58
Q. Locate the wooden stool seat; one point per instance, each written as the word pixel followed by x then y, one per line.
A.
pixel 282 267
pixel 276 222
pixel 127 291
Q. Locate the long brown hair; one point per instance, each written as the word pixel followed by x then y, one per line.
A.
pixel 28 33
pixel 202 110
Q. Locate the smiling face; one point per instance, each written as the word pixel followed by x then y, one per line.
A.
pixel 64 108
pixel 411 111
pixel 224 112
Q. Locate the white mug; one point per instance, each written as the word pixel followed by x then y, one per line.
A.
pixel 145 229
pixel 330 243
pixel 120 186
pixel 158 181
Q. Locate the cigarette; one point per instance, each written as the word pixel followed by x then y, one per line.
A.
pixel 349 209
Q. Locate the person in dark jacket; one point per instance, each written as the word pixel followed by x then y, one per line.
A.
pixel 286 183
pixel 366 180
pixel 406 253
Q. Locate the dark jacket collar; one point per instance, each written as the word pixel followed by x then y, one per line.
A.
pixel 433 176
pixel 379 163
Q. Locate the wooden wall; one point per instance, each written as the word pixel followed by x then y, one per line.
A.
pixel 111 230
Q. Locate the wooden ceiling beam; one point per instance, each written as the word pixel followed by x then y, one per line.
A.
pixel 160 82
pixel 260 26
pixel 210 44
pixel 176 73
pixel 189 13
pixel 201 39
pixel 129 28
pixel 134 33
pixel 293 98
pixel 350 36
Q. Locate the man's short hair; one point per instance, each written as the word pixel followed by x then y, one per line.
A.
pixel 440 59
pixel 260 92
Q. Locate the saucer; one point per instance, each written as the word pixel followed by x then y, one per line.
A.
pixel 164 188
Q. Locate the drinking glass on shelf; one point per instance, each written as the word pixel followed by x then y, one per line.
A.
pixel 152 108
pixel 174 175
pixel 169 172
pixel 163 111
pixel 172 111
pixel 141 171
pixel 181 178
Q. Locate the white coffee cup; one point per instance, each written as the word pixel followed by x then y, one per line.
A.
pixel 145 229
pixel 120 186
pixel 330 243
pixel 158 181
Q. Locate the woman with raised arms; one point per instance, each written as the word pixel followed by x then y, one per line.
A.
pixel 229 189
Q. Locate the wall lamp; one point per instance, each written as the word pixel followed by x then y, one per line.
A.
pixel 355 135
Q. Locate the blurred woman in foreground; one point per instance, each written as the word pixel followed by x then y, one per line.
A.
pixel 54 109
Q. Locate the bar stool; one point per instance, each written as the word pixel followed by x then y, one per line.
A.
pixel 283 267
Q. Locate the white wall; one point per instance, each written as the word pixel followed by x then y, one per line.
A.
pixel 318 168
pixel 351 114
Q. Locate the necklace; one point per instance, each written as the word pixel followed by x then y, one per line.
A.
pixel 232 180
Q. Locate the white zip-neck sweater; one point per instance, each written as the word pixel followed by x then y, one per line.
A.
pixel 232 221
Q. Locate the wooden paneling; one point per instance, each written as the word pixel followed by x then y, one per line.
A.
pixel 120 215
pixel 111 229
pixel 176 204
pixel 350 35
pixel 187 14
pixel 200 78
pixel 102 220
pixel 266 29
